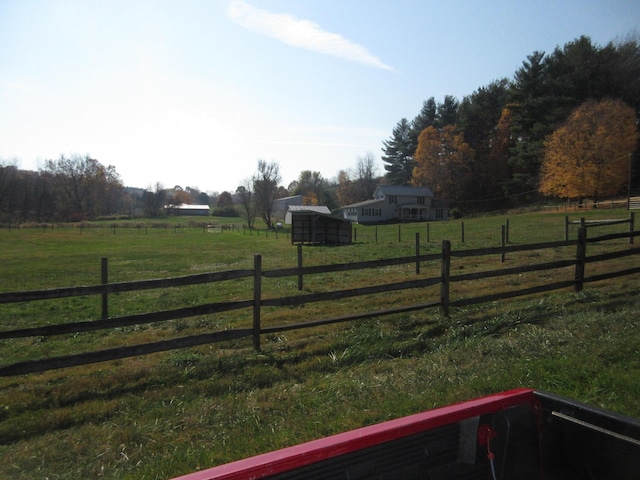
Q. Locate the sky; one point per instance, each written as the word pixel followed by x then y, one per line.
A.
pixel 195 92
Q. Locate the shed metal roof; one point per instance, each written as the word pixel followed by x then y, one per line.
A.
pixel 309 208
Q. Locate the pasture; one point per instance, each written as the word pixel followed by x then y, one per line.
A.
pixel 171 413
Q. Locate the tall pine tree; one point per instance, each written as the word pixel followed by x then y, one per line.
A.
pixel 398 154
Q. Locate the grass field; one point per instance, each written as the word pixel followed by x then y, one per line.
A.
pixel 167 414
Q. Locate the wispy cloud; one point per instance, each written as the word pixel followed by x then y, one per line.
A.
pixel 300 33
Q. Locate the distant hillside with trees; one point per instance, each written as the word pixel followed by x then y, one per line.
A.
pixel 508 143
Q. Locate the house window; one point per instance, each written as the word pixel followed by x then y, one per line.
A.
pixel 439 214
pixel 393 199
pixel 420 200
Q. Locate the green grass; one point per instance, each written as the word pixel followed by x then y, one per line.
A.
pixel 167 414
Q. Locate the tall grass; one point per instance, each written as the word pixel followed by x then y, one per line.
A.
pixel 166 414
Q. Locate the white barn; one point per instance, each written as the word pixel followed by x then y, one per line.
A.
pixel 402 203
pixel 186 209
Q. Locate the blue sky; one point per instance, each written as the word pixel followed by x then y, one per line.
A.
pixel 194 92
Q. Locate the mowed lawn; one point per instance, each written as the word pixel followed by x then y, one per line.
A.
pixel 171 413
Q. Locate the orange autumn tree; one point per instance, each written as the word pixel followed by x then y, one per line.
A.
pixel 443 162
pixel 588 156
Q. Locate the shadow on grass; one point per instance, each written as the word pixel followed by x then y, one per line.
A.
pixel 34 406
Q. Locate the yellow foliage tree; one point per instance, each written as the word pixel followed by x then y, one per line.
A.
pixel 310 199
pixel 443 162
pixel 588 156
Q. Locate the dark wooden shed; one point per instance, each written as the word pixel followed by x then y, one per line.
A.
pixel 315 228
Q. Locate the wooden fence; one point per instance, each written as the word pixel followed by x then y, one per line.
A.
pixel 599 223
pixel 258 301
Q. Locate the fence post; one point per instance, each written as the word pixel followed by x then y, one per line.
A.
pixel 417 253
pixel 566 228
pixel 257 299
pixel 428 233
pixel 376 234
pixel 506 236
pixel 355 235
pixel 399 233
pixel 581 256
pixel 631 227
pixel 104 267
pixel 462 231
pixel 445 269
pixel 502 243
pixel 300 278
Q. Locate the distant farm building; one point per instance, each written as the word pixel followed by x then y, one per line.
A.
pixel 184 209
pixel 316 228
pixel 281 205
pixel 397 203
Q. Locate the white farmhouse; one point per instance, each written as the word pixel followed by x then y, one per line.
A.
pixel 397 203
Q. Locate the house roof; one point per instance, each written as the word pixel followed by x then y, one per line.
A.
pixel 404 190
pixel 366 203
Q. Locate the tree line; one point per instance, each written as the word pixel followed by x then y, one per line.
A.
pixel 495 147
pixel 77 188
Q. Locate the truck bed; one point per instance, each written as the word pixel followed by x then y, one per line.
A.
pixel 520 434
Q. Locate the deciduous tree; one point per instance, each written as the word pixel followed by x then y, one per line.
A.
pixel 265 188
pixel 366 176
pixel 154 200
pixel 246 198
pixel 310 184
pixel 588 156
pixel 89 188
pixel 224 200
pixel 442 162
pixel 345 192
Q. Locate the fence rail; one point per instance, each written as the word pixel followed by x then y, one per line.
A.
pixel 257 301
pixel 600 223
